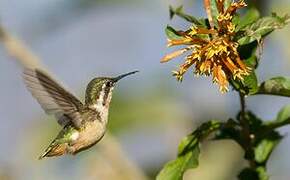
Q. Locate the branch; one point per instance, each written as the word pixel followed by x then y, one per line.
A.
pixel 17 50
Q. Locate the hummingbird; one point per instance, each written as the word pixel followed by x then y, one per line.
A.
pixel 83 124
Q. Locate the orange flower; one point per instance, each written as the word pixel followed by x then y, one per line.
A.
pixel 212 51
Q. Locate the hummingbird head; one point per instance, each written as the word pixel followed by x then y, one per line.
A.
pixel 99 90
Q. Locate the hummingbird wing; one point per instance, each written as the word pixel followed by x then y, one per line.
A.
pixel 53 98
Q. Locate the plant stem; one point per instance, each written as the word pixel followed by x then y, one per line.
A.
pixel 246 134
pixel 243 112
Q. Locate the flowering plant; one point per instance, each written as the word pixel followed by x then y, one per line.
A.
pixel 224 45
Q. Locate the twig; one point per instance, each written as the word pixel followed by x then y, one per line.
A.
pixel 18 51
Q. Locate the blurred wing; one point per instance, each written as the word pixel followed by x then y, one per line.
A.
pixel 53 98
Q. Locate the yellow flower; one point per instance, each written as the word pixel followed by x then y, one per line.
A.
pixel 231 28
pixel 193 31
pixel 215 53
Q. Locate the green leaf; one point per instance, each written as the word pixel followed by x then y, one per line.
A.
pixel 249 85
pixel 267 130
pixel 188 142
pixel 188 153
pixel 171 33
pixel 279 86
pixel 262 173
pixel 214 9
pixel 254 174
pixel 264 148
pixel 255 123
pixel 251 81
pixel 227 3
pixel 230 130
pixel 283 118
pixel 264 137
pixel 173 12
pixel 236 20
pixel 247 51
pixel 174 169
pixel 245 39
pixel 192 140
pixel 251 16
pixel 284 114
pixel 262 27
pixel 252 62
pixel 179 12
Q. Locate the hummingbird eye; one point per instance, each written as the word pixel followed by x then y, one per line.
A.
pixel 109 84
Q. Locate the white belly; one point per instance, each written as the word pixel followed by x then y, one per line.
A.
pixel 92 133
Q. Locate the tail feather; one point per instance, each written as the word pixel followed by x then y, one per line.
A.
pixel 54 150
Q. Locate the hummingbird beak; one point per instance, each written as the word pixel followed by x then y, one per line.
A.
pixel 123 75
